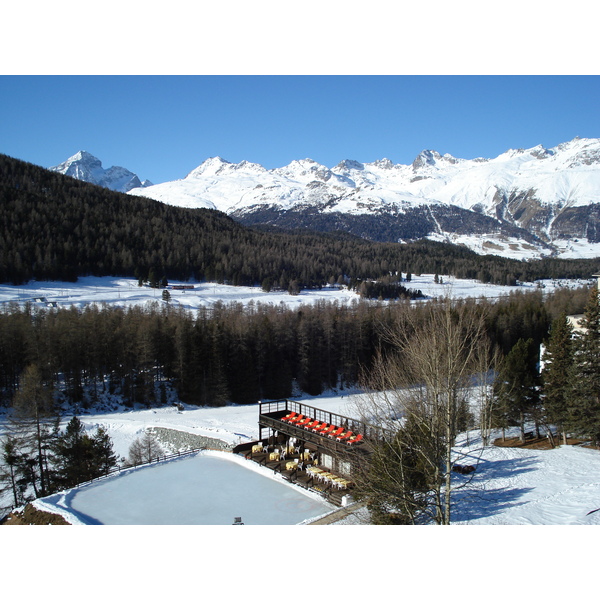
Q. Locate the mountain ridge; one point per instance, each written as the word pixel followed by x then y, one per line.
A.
pixel 527 203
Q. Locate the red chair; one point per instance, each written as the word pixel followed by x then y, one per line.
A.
pixel 288 417
pixel 319 428
pixel 327 430
pixel 303 421
pixel 336 432
pixel 296 419
pixel 355 440
pixel 310 424
pixel 344 436
pixel 314 425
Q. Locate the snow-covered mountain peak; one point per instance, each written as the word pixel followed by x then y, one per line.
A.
pixel 536 195
pixel 382 163
pixel 211 166
pixel 305 164
pixel 431 158
pixel 80 161
pixel 581 152
pixel 86 167
pixel 249 166
pixel 540 152
pixel 303 170
pixel 349 165
pixel 217 166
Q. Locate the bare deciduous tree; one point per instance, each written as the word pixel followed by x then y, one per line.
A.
pixel 144 449
pixel 423 381
pixel 34 422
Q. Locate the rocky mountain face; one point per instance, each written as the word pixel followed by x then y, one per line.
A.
pixel 523 203
pixel 86 167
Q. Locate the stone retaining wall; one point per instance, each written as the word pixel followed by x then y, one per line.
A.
pixel 173 440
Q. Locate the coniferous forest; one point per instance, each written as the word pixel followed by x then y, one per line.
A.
pixel 229 353
pixel 55 227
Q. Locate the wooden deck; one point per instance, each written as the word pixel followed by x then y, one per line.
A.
pixel 336 457
pixel 299 475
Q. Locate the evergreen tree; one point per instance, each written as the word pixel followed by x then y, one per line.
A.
pixel 398 478
pixel 585 411
pixel 73 456
pixel 105 457
pixel 10 473
pixel 516 387
pixel 79 457
pixel 557 375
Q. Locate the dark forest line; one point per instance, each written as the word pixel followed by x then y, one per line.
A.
pixel 53 227
pixel 230 353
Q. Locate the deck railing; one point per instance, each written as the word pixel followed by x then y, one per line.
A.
pixel 369 432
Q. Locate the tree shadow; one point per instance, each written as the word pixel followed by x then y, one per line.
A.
pixel 64 501
pixel 477 498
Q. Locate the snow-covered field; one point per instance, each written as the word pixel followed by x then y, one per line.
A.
pixel 510 486
pixel 126 292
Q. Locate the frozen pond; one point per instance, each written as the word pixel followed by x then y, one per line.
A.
pixel 209 488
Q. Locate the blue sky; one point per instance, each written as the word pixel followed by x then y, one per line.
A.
pixel 161 127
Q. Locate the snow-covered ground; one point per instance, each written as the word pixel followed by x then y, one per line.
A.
pixel 126 292
pixel 510 486
pixel 209 488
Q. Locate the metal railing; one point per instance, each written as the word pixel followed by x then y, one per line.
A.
pixel 369 432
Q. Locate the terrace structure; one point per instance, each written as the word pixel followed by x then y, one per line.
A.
pixel 312 447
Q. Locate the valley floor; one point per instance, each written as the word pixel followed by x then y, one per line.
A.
pixel 126 292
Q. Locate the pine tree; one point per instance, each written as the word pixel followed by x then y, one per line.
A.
pixel 557 375
pixel 104 456
pixel 79 457
pixel 397 481
pixel 585 411
pixel 73 456
pixel 516 387
pixel 11 458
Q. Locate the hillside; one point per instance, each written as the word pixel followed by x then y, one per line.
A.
pixel 56 227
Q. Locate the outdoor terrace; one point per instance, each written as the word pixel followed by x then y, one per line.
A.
pixel 298 465
pixel 329 432
pixel 311 447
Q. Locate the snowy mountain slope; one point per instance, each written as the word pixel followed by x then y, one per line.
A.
pixel 541 195
pixel 86 167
